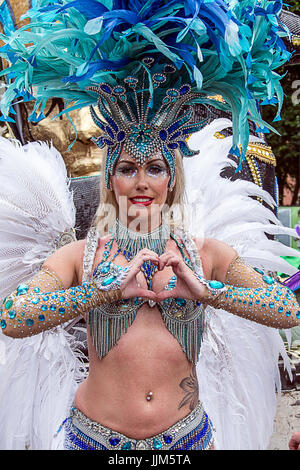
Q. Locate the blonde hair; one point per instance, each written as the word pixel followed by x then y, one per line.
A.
pixel 172 213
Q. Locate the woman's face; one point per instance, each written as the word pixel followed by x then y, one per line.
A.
pixel 141 191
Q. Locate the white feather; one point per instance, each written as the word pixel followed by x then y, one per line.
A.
pixel 238 367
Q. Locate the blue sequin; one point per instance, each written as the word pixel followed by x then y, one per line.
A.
pixel 3 324
pixel 288 313
pixel 35 300
pixel 268 279
pixel 114 441
pixel 157 444
pixel 41 317
pixel 12 314
pixel 126 446
pixel 52 307
pixel 44 308
pixel 29 322
pixel 61 298
pixel 36 290
pixel 22 289
pixel 61 311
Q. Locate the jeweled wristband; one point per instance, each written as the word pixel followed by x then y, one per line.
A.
pixel 269 302
pixel 42 304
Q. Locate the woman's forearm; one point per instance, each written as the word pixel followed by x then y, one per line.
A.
pixel 251 294
pixel 43 303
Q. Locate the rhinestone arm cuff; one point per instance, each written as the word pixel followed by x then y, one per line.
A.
pixel 43 303
pixel 251 294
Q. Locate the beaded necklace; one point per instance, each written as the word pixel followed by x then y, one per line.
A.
pixel 130 243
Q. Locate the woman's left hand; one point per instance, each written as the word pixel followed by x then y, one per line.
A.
pixel 187 286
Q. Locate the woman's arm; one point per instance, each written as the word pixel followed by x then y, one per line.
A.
pixel 249 292
pixel 53 296
pixel 236 287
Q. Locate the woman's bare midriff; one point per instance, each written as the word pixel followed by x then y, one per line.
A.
pixel 146 359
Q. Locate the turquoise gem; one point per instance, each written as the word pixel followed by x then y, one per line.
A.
pixel 298 314
pixel 126 446
pixel 41 317
pixel 258 271
pixel 52 307
pixel 288 313
pixel 36 290
pixel 180 302
pixel 271 304
pixel 280 310
pixel 29 322
pixel 22 289
pixel 35 301
pixel 61 311
pixel 216 284
pixel 54 296
pixel 3 324
pixel 157 444
pixel 45 298
pixel 108 280
pixel 268 279
pixel 8 304
pixel 104 269
pixel 44 308
pixel 12 314
pixel 61 298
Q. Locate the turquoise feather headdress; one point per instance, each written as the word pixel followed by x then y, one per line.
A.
pixel 74 49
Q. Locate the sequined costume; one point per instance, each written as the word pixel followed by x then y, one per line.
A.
pixel 194 432
pixel 142 68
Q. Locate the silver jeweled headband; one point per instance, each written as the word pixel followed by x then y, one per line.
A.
pixel 131 124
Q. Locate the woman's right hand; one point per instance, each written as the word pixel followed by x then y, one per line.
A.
pixel 130 286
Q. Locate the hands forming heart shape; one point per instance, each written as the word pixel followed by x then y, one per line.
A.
pixel 187 286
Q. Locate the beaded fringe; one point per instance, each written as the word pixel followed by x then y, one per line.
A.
pixel 188 334
pixel 106 330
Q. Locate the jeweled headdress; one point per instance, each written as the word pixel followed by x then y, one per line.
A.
pixel 145 64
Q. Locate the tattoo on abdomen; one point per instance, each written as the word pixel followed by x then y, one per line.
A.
pixel 190 386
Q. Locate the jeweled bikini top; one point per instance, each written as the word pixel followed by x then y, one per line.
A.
pixel 183 318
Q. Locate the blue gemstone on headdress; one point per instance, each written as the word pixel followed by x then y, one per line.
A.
pixel 41 317
pixel 159 78
pixel 118 90
pixel 109 131
pixel 173 145
pixel 163 134
pixel 114 441
pixel 3 324
pixel 29 322
pixel 169 69
pixel 108 142
pixel 168 439
pixel 172 92
pixel 106 88
pixel 184 89
pixel 121 136
pixel 180 302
